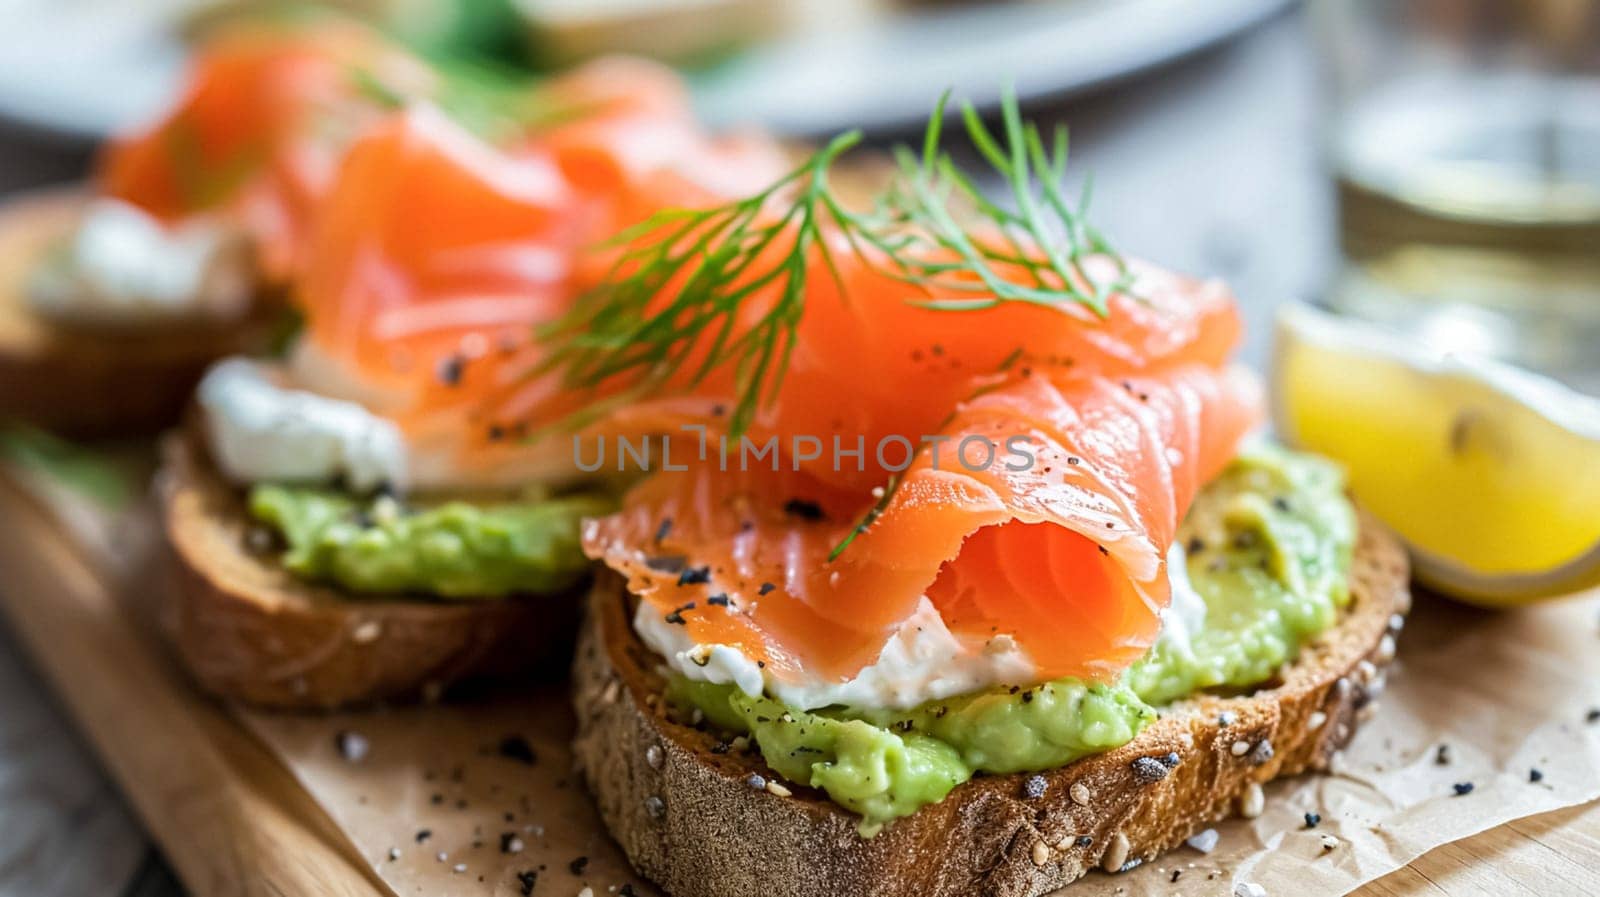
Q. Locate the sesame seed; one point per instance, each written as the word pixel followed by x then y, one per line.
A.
pixel 1253 801
pixel 1386 649
pixel 1240 748
pixel 1116 854
pixel 1316 720
pixel 1329 842
pixel 1205 841
pixel 366 633
pixel 654 756
pixel 459 868
pixel 394 854
pixel 1249 889
pixel 1080 794
pixel 1041 853
pixel 1226 718
pixel 778 789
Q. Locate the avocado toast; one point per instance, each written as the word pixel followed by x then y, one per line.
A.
pixel 1041 608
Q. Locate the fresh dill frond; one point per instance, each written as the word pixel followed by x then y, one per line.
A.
pixel 672 308
pixel 669 312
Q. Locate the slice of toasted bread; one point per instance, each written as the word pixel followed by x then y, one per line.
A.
pixel 92 381
pixel 687 818
pixel 249 630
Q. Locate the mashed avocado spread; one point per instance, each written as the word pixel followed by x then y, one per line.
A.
pixel 1268 547
pixel 451 550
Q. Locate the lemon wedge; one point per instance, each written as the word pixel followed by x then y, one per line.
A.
pixel 1490 473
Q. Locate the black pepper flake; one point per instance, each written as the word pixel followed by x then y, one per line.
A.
pixel 496 432
pixel 451 367
pixel 1035 787
pixel 1073 460
pixel 577 866
pixel 667 563
pixel 1175 874
pixel 1171 760
pixel 1083 841
pixel 664 529
pixel 1462 788
pixel 1027 696
pixel 766 587
pixel 424 834
pixel 655 806
pixel 675 617
pixel 507 839
pixel 527 879
pixel 805 510
pixel 720 747
pixel 694 576
pixel 626 891
pixel 719 600
pixel 515 747
pixel 755 782
pixel 1313 820
pixel 1262 752
pixel 1281 503
pixel 1593 716
pixel 1441 756
pixel 1148 769
pixel 436 799
pixel 1536 775
pixel 1195 545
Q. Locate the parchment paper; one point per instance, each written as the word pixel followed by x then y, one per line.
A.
pixel 1505 693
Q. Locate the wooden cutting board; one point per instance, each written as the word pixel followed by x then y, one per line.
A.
pixel 233 821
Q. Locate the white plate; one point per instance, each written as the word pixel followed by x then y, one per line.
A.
pixel 888 74
pixel 85 68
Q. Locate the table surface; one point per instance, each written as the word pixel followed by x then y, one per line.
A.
pixel 1228 138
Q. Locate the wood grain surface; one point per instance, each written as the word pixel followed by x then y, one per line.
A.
pixel 225 814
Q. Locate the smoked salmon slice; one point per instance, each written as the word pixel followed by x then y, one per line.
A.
pixel 1065 555
pixel 436 252
pixel 259 130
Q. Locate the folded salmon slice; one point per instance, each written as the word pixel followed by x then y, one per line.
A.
pixel 1123 420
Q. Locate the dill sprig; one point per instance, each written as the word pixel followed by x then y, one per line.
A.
pixel 671 310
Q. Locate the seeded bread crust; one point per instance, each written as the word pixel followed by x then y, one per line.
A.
pixel 92 382
pixel 689 819
pixel 248 630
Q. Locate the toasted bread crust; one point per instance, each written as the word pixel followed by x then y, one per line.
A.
pixel 692 823
pixel 92 382
pixel 248 630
